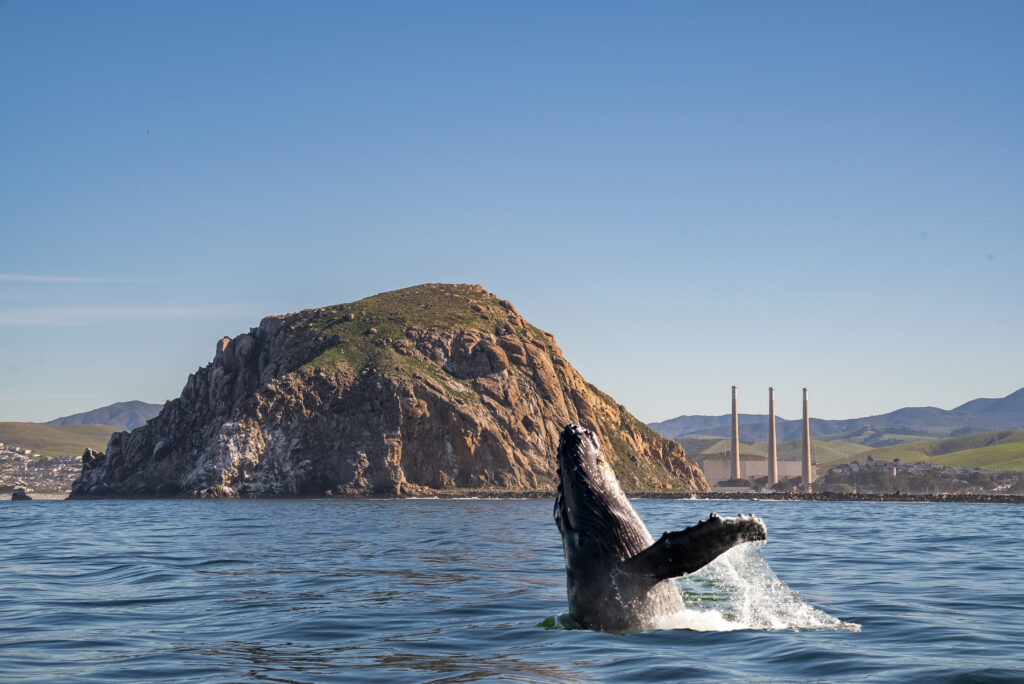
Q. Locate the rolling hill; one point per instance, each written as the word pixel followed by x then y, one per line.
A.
pixel 1001 450
pixel 823 453
pixel 56 440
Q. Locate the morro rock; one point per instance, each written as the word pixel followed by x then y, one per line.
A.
pixel 431 389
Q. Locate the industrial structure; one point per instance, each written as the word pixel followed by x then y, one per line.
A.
pixel 807 477
pixel 716 469
pixel 735 438
pixel 773 455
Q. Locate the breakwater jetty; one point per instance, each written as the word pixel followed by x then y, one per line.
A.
pixel 835 496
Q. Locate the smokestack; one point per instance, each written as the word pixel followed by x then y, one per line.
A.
pixel 735 438
pixel 773 461
pixel 807 447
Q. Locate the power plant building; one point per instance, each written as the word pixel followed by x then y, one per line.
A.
pixel 729 466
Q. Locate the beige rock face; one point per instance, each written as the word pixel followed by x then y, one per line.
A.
pixel 433 389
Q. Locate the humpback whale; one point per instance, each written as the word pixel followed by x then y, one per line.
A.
pixel 615 571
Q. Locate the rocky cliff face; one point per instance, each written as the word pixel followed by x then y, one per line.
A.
pixel 435 388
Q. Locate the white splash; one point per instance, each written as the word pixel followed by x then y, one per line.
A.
pixel 739 591
pixel 699 621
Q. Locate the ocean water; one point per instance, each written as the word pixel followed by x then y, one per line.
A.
pixel 474 590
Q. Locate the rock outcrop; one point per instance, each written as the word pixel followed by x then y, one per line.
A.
pixel 431 389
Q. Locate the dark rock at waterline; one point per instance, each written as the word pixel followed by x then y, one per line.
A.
pixel 19 495
pixel 431 389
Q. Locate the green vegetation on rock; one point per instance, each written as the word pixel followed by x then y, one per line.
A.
pixel 360 334
pixel 371 334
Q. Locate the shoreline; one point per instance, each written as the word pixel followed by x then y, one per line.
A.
pixel 749 496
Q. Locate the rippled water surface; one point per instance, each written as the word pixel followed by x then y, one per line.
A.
pixel 428 590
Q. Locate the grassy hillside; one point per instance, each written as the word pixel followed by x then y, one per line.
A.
pixel 721 448
pixel 699 445
pixel 1003 450
pixel 56 440
pixel 872 438
pixel 823 453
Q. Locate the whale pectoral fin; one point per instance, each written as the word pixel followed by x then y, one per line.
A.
pixel 689 550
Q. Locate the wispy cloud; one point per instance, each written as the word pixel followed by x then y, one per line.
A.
pixel 99 315
pixel 29 278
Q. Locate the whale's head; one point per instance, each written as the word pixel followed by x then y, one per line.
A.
pixel 590 500
pixel 600 530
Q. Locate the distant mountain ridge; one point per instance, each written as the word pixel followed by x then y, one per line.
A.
pixel 126 415
pixel 978 415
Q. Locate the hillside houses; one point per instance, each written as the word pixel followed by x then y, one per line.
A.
pixel 876 477
pixel 20 467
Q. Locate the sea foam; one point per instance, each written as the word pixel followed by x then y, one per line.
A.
pixel 738 590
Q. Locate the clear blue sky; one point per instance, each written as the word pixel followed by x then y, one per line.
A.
pixel 688 195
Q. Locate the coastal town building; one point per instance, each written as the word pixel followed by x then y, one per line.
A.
pixel 20 467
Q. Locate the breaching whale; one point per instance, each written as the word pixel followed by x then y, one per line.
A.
pixel 614 569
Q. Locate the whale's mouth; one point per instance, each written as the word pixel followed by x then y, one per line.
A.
pixel 579 452
pixel 581 463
